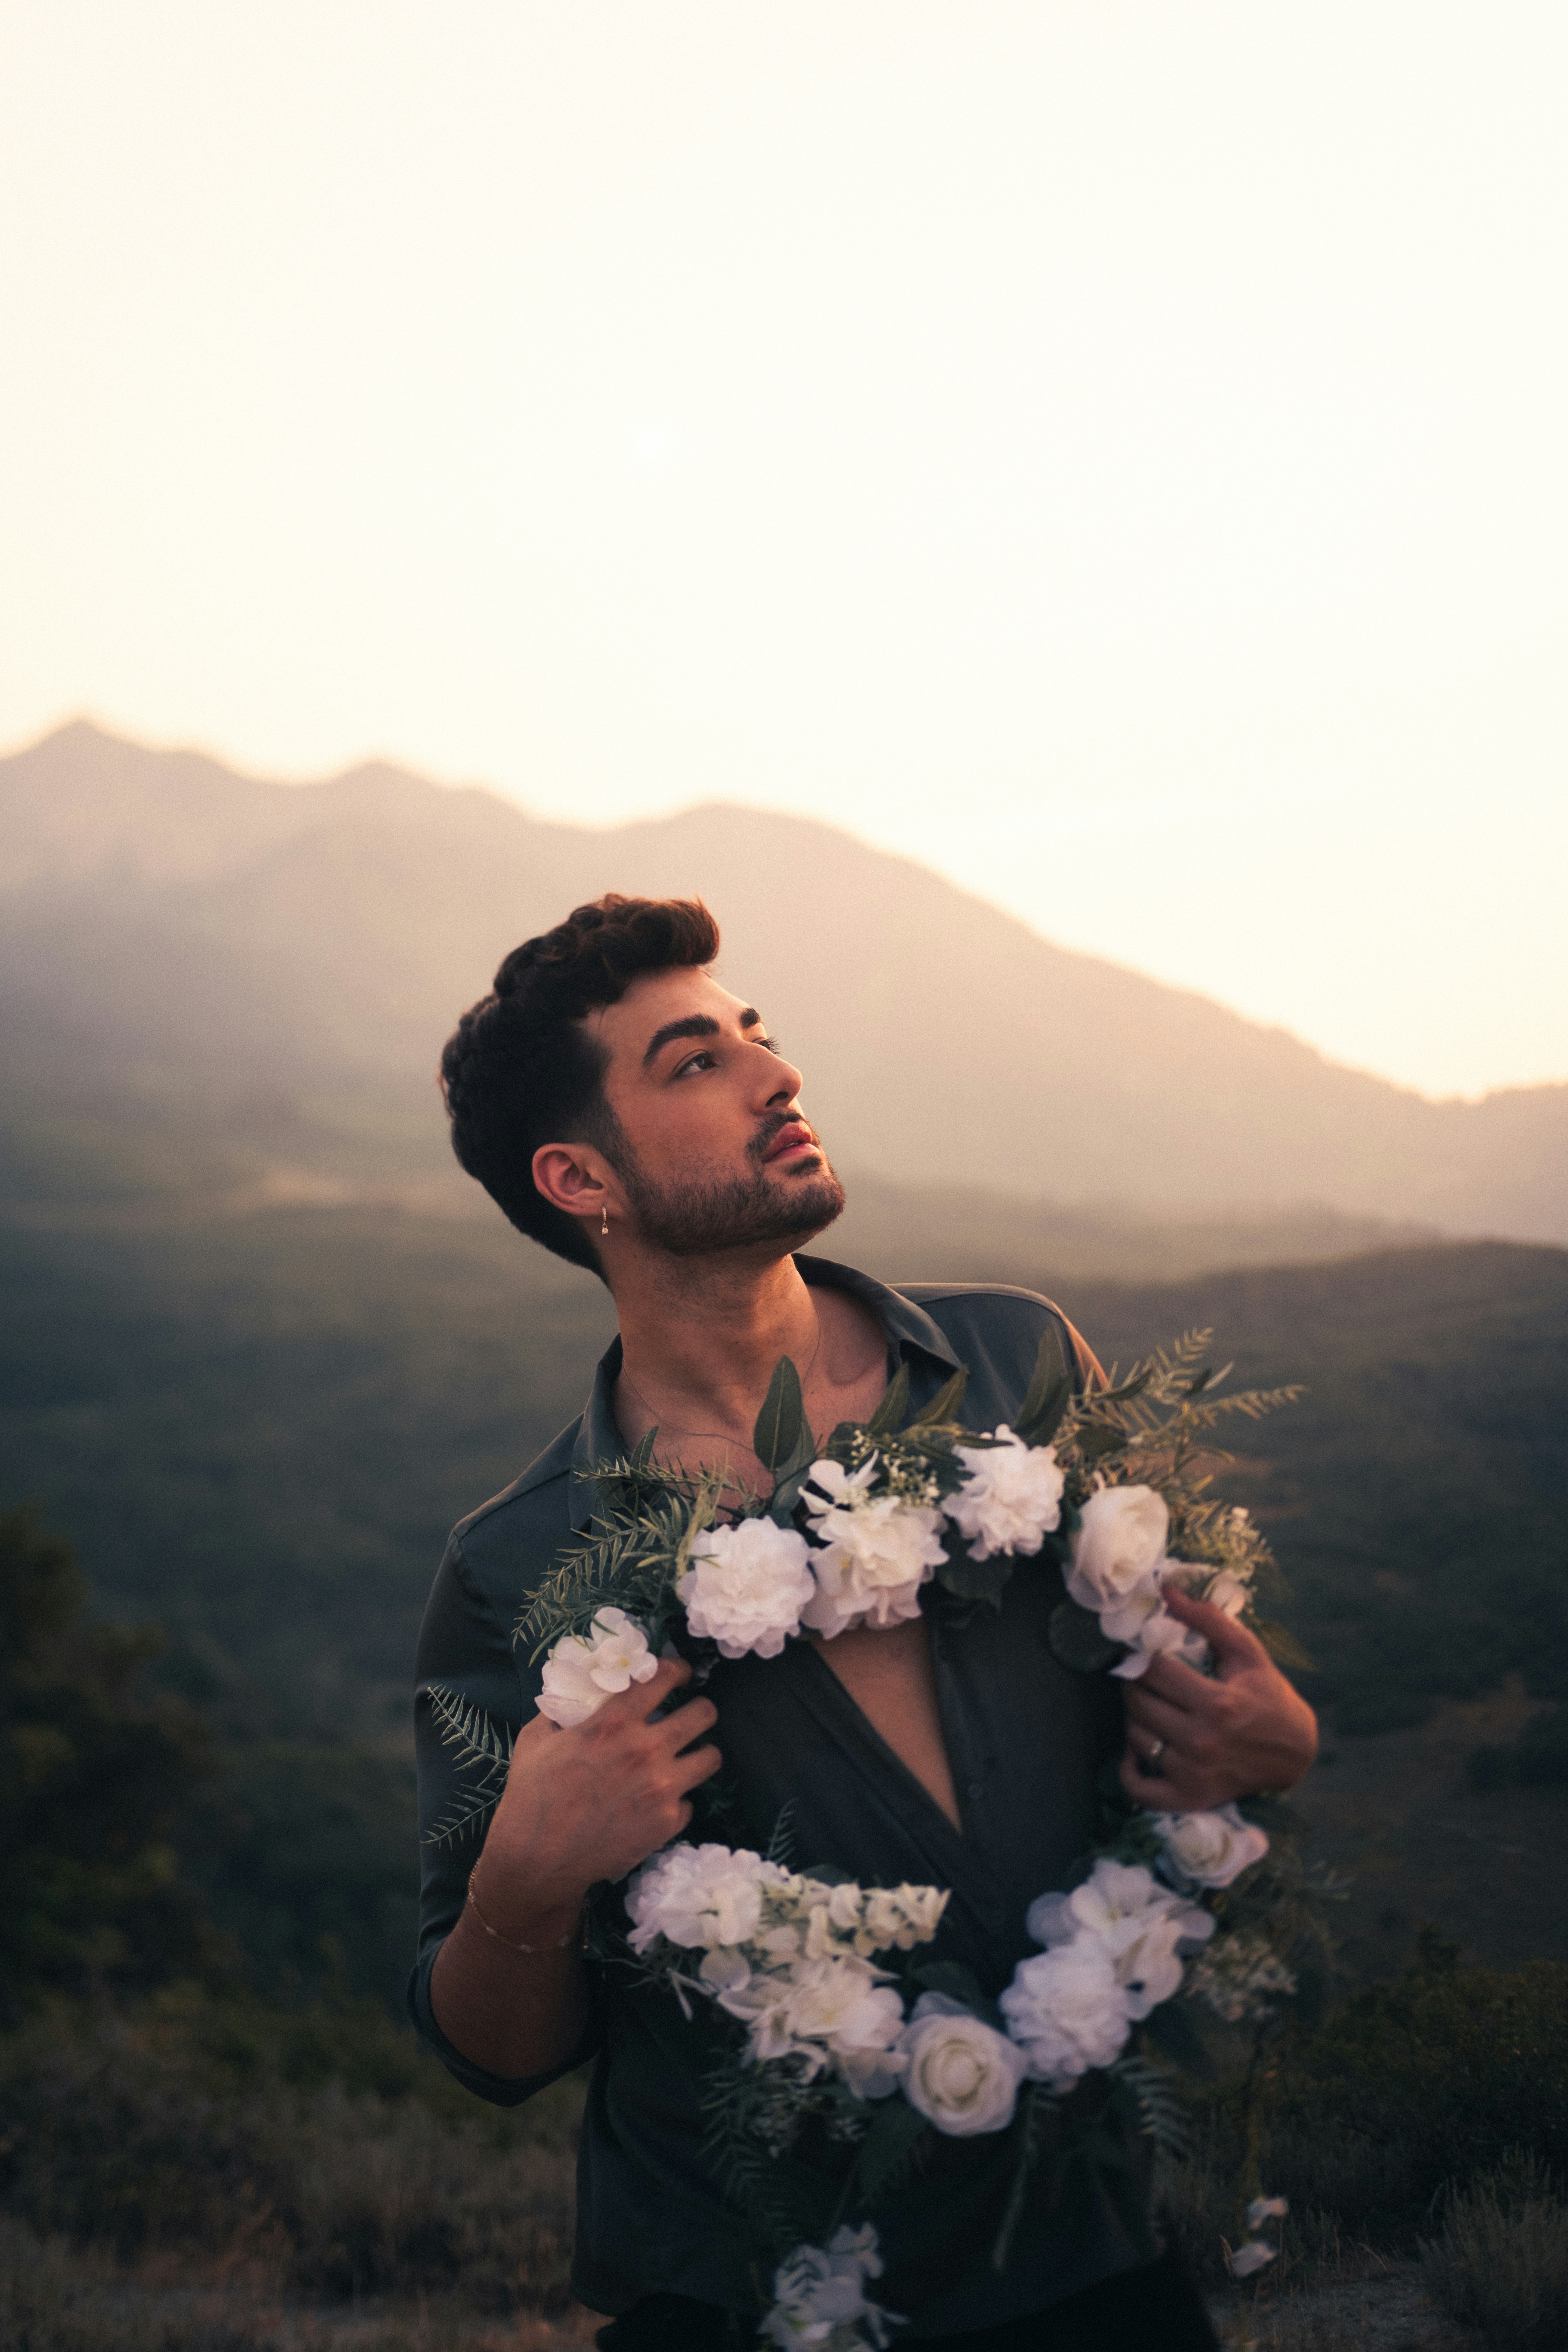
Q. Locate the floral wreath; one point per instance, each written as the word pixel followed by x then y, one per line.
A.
pixel 1182 1933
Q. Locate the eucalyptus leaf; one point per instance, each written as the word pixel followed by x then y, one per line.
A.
pixel 974 1580
pixel 781 1425
pixel 1075 1639
pixel 889 1415
pixel 1048 1395
pixel 943 1407
pixel 1098 1437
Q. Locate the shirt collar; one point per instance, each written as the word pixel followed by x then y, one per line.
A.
pixel 911 1335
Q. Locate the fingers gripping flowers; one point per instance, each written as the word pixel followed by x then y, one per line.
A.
pixel 836 2036
pixel 584 1670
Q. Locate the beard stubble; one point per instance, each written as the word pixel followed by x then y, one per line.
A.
pixel 699 1219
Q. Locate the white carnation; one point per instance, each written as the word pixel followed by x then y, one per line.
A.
pixel 962 2075
pixel 698 1896
pixel 584 1670
pixel 1139 1925
pixel 820 2296
pixel 1150 1630
pixel 746 1586
pixel 839 2011
pixel 1208 1849
pixel 1010 1496
pixel 872 1552
pixel 1066 2010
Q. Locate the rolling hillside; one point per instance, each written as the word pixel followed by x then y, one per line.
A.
pixel 282 962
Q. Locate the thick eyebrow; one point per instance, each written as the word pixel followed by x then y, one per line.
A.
pixel 696 1024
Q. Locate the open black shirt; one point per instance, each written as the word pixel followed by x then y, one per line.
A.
pixel 1025 1739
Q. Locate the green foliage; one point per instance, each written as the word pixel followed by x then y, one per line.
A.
pixel 92 1774
pixel 1408 2090
pixel 188 2121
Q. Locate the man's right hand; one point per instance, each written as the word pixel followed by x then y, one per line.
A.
pixel 580 1806
pixel 592 1803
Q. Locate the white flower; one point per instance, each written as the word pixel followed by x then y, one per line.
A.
pixel 1228 1593
pixel 1140 1926
pixel 698 1896
pixel 1066 2010
pixel 1149 1627
pixel 1208 1849
pixel 838 2009
pixel 1266 2209
pixel 1251 2257
pixel 584 1670
pixel 746 1586
pixel 1117 1549
pixel 820 2296
pixel 874 1551
pixel 1010 1496
pixel 962 2075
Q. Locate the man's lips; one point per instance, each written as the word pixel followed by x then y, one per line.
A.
pixel 795 1137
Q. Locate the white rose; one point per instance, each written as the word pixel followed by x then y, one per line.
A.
pixel 746 1586
pixel 584 1670
pixel 1066 2012
pixel 872 1552
pixel 1010 1496
pixel 962 2075
pixel 1210 1849
pixel 698 1896
pixel 1117 1547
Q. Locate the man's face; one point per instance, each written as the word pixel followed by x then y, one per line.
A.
pixel 719 1154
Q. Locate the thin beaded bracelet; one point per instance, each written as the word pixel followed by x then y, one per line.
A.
pixel 559 1946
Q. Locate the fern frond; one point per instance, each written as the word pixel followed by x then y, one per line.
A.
pixel 466 1727
pixel 461 1815
pixel 1161 2115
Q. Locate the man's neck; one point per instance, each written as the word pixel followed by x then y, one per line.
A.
pixel 700 1337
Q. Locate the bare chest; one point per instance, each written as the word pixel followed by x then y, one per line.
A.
pixel 887 1672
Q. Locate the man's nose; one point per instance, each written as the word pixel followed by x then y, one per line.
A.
pixel 783 1081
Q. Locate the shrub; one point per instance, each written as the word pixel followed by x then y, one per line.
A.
pixel 210 2124
pixel 1409 2089
pixel 1501 2262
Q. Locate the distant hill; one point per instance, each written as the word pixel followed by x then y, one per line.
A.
pixel 259 1430
pixel 284 961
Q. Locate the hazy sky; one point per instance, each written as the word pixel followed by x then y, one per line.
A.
pixel 1113 452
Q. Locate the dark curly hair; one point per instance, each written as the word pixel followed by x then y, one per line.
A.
pixel 521 1069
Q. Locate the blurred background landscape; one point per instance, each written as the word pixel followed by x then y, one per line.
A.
pixel 1051 520
pixel 264 1342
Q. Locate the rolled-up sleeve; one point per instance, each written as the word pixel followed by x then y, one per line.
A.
pixel 465 1649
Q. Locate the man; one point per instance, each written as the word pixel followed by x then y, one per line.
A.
pixel 632 1115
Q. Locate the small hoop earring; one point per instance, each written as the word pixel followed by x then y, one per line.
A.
pixel 603 1217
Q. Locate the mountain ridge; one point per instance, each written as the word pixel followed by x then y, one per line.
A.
pixel 308 933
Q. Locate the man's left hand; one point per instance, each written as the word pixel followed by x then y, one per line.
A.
pixel 1194 1741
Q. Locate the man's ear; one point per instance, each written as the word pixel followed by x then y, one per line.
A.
pixel 576 1179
